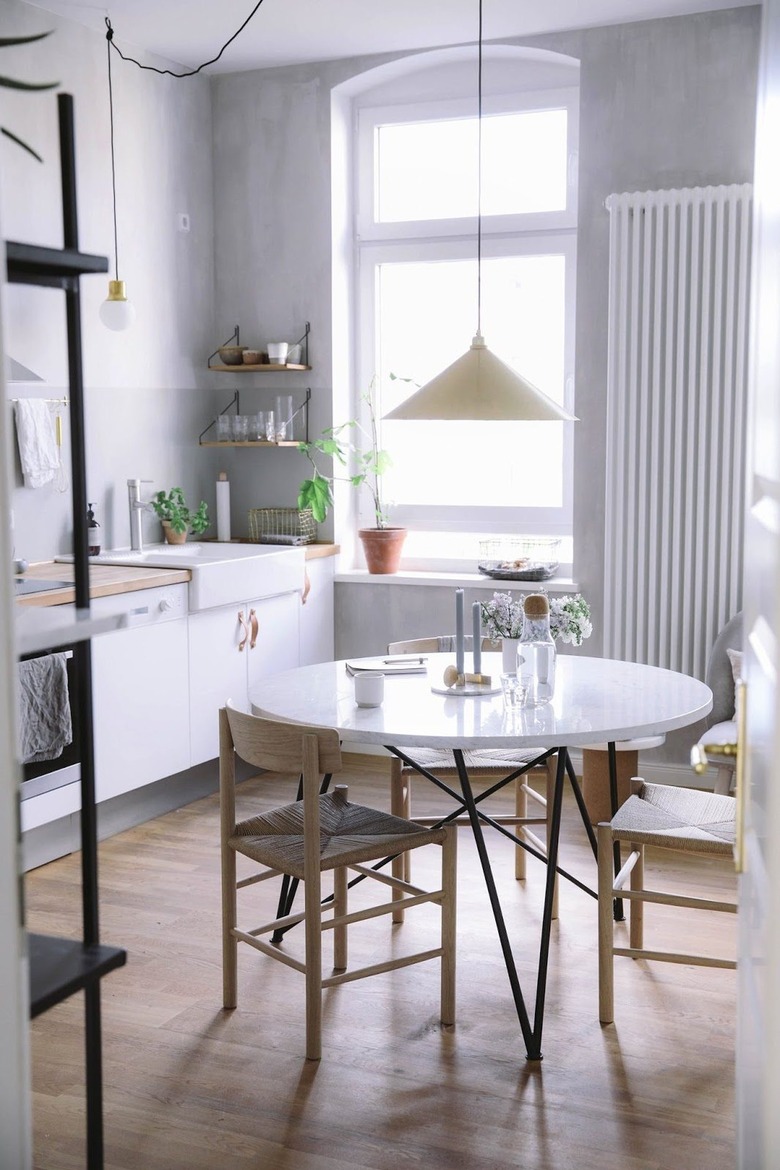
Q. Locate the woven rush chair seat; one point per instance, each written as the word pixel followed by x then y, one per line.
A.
pixel 678 819
pixel 682 818
pixel 323 832
pixel 490 764
pixel 349 834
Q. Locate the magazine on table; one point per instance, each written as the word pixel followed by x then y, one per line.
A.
pixel 398 664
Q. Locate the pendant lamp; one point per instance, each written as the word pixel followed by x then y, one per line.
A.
pixel 479 385
pixel 116 312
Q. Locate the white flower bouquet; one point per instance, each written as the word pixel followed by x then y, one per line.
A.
pixel 502 617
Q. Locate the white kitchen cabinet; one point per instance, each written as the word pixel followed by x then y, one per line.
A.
pixel 141 693
pixel 317 637
pixel 224 662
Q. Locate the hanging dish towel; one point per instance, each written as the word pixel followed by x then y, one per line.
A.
pixel 37 445
pixel 44 716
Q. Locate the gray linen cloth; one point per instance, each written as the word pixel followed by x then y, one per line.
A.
pixel 45 726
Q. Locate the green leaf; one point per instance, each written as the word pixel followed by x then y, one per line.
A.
pixel 8 42
pixel 19 142
pixel 11 83
pixel 383 461
pixel 315 494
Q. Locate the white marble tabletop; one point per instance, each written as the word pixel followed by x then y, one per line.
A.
pixel 596 700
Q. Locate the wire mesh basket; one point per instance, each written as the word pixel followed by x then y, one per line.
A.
pixel 282 526
pixel 522 558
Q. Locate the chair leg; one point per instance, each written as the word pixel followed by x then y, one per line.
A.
pixel 400 806
pixel 229 941
pixel 449 879
pixel 606 926
pixel 551 765
pixel 521 810
pixel 340 897
pixel 313 931
pixel 637 910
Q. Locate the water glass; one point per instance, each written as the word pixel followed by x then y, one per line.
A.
pixel 514 690
pixel 283 415
pixel 270 426
pixel 240 428
pixel 224 425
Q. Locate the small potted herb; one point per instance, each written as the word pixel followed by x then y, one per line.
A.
pixel 177 519
pixel 382 544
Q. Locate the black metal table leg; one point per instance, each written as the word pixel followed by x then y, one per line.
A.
pixel 535 1052
pixel 617 907
pixel 476 826
pixel 289 886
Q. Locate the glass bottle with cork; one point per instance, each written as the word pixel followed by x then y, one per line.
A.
pixel 536 651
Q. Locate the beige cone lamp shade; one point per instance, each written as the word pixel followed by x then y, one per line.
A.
pixel 480 386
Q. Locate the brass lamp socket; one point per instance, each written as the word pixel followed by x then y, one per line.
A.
pixel 117 290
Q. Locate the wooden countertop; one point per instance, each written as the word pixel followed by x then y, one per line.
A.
pixel 104 581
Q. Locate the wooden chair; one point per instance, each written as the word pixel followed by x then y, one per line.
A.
pixel 488 764
pixel 680 819
pixel 303 839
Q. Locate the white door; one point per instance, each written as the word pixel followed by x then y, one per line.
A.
pixel 758 1032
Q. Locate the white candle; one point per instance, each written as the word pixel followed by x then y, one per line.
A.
pixel 460 657
pixel 476 622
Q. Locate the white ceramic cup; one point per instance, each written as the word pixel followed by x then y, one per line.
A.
pixel 277 352
pixel 369 688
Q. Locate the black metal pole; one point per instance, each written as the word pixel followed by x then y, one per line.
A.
pixel 82 654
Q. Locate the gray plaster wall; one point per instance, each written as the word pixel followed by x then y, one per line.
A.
pixel 664 103
pixel 148 394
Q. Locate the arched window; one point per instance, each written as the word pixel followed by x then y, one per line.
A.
pixel 415 201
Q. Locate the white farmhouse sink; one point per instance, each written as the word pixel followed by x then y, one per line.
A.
pixel 221 573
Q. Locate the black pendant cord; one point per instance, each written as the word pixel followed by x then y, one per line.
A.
pixel 479 178
pixel 170 72
pixel 109 36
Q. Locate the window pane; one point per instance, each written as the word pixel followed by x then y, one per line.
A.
pixel 427 316
pixel 428 170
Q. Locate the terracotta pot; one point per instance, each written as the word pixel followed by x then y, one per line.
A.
pixel 382 548
pixel 172 537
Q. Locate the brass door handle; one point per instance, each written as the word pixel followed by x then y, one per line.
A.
pixel 700 752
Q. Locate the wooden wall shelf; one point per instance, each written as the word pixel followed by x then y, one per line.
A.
pixel 264 368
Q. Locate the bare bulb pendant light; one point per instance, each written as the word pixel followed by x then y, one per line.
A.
pixel 116 312
pixel 479 385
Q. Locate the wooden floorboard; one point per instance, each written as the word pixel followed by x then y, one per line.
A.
pixel 190 1087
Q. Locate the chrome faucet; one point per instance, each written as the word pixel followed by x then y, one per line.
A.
pixel 137 507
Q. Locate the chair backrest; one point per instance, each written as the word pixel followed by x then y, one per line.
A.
pixel 276 746
pixel 441 644
pixel 720 677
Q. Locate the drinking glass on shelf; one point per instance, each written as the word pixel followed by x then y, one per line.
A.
pixel 283 415
pixel 240 428
pixel 270 426
pixel 255 426
pixel 224 428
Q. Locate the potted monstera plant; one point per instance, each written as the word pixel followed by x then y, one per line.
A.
pixel 356 450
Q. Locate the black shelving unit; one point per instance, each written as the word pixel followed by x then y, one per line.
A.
pixel 60 967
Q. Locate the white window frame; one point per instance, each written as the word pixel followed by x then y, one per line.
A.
pixel 535 233
pixel 370 118
pixel 491 518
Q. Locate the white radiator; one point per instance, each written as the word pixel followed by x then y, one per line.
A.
pixel 677 389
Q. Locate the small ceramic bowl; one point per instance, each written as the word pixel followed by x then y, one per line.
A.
pixel 252 357
pixel 232 355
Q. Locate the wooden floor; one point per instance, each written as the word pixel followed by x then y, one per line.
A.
pixel 190 1087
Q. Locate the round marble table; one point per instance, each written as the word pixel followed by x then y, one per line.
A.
pixel 597 700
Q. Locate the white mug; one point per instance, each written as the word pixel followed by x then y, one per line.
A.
pixel 369 688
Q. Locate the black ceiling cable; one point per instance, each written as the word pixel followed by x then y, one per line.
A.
pixel 169 72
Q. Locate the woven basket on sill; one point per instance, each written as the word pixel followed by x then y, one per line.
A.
pixel 282 526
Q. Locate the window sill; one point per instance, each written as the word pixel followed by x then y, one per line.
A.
pixel 456 580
